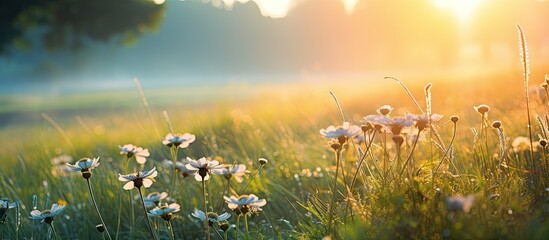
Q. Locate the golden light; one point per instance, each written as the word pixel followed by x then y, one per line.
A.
pixel 463 9
pixel 349 6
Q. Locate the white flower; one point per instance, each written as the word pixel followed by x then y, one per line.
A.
pixel 154 198
pixel 346 130
pixel 165 211
pixel 180 167
pixel 178 140
pixel 460 203
pixel 236 171
pixel 423 120
pixel 61 160
pixel 384 110
pixel 394 124
pixel 47 215
pixel 521 144
pixel 203 168
pixel 245 203
pixel 131 150
pixel 4 206
pixel 139 179
pixel 84 165
pixel 212 217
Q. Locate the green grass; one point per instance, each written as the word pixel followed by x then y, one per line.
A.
pixel 282 123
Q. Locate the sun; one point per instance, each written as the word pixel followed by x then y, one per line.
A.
pixel 463 9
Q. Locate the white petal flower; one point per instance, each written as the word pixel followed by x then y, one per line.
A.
pixel 139 179
pixel 154 198
pixel 178 140
pixel 245 203
pixel 47 215
pixel 131 150
pixel 346 130
pixel 460 203
pixel 181 167
pixel 84 164
pixel 166 209
pixel 212 216
pixel 236 171
pixel 203 168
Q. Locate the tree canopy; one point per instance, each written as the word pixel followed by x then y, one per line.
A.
pixel 68 24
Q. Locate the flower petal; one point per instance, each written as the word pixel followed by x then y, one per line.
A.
pixel 129 185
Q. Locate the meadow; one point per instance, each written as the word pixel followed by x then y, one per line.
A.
pixel 394 172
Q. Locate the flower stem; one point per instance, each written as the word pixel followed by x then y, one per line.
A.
pixel 206 225
pixel 97 209
pixel 237 227
pixel 146 215
pixel 171 229
pixel 331 207
pixel 53 231
pixel 246 225
pixel 251 179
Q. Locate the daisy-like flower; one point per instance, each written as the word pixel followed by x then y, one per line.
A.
pixel 203 167
pixel 165 212
pixel 236 171
pixel 180 167
pixel 245 203
pixel 346 130
pixel 131 150
pixel 424 119
pixel 4 206
pixel 84 165
pixel 47 215
pixel 384 110
pixel 139 179
pixel 154 198
pixel 212 216
pixel 394 124
pixel 178 140
pixel 460 203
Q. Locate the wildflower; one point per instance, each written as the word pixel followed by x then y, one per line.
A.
pixel 394 124
pixel 180 167
pixel 4 206
pixel 245 203
pixel 154 198
pixel 460 203
pixel 131 150
pixel 139 179
pixel 165 212
pixel 177 140
pixel 84 165
pixel 47 215
pixel 482 109
pixel 345 130
pixel 521 144
pixel 423 120
pixel 203 168
pixel 454 119
pixel 384 110
pixel 100 227
pixel 236 171
pixel 212 216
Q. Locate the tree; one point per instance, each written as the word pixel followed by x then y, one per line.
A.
pixel 68 24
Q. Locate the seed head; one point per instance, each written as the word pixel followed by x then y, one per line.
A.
pixel 100 228
pixel 263 161
pixel 482 109
pixel 454 119
pixel 224 226
pixel 496 124
pixel 543 142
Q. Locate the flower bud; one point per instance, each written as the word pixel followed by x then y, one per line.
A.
pixel 100 228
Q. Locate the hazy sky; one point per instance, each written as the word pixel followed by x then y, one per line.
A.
pixel 202 42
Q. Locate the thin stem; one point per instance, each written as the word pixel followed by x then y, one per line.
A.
pixel 218 234
pixel 207 229
pixel 411 154
pixel 446 152
pixel 331 207
pixel 169 223
pixel 251 179
pixel 237 227
pixel 224 193
pixel 146 215
pixel 246 225
pixel 97 209
pixel 119 215
pixel 53 231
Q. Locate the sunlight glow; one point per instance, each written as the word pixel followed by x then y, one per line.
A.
pixel 350 6
pixel 268 8
pixel 463 9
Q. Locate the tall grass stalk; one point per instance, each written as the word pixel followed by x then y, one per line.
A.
pixel 205 202
pixel 526 74
pixel 447 150
pixel 333 192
